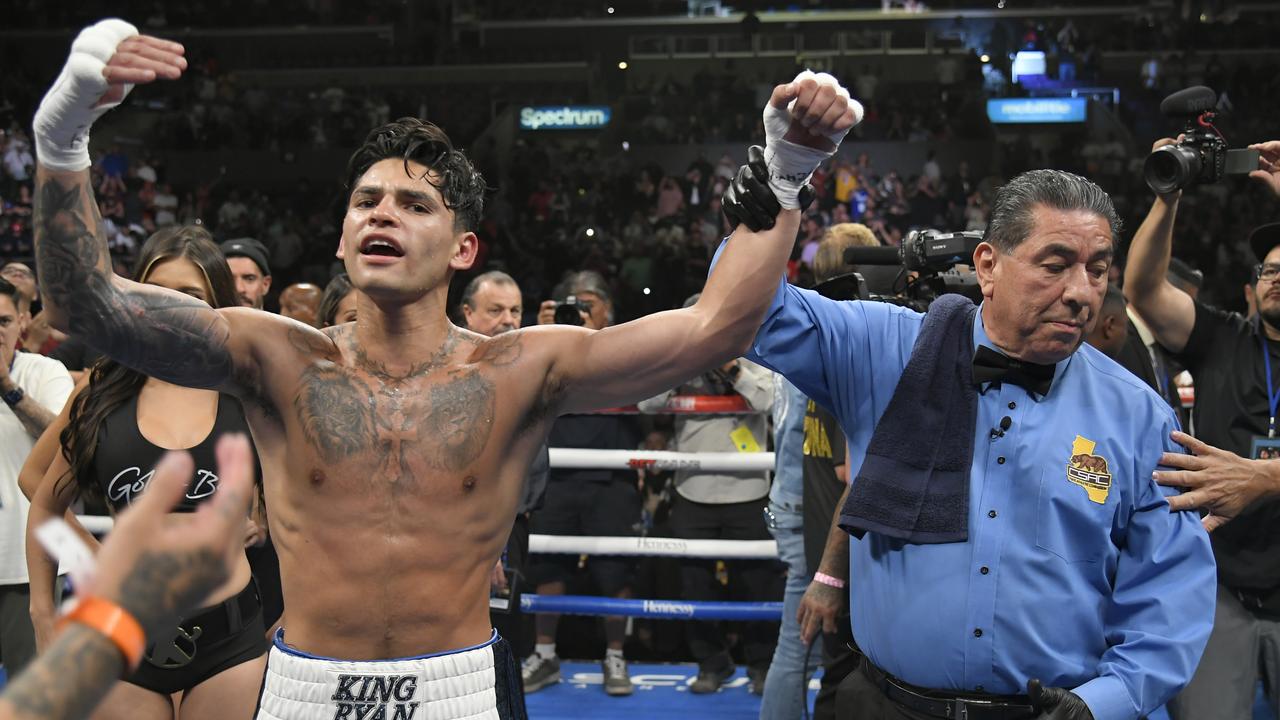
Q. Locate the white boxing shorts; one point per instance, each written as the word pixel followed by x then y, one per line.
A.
pixel 475 683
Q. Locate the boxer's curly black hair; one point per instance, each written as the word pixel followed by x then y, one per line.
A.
pixel 451 172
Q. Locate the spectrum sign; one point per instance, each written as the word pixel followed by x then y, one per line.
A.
pixel 1038 110
pixel 564 117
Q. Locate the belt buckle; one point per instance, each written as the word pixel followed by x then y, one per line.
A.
pixel 960 711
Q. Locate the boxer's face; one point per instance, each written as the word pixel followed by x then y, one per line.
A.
pixel 398 238
pixel 1044 297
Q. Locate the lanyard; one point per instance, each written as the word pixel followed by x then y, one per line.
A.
pixel 1273 396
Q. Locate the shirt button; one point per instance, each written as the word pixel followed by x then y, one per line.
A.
pixel 977 632
pixel 984 569
pixel 991 513
pixel 1000 460
pixel 979 688
pixel 1013 405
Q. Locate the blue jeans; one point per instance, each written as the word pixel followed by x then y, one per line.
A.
pixel 786 689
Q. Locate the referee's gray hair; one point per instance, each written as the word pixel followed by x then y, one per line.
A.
pixel 497 277
pixel 1011 213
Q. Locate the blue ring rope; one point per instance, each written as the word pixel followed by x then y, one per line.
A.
pixel 664 609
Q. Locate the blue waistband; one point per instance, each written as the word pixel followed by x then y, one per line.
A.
pixel 289 649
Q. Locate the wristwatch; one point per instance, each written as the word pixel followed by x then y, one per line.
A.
pixel 13 397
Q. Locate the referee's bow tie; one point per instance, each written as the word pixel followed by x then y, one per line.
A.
pixel 994 366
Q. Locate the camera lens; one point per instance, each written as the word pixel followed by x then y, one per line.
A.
pixel 567 313
pixel 1170 168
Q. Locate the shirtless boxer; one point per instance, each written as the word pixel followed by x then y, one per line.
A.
pixel 401 439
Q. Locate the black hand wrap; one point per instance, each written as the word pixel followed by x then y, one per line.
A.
pixel 749 201
pixel 1056 703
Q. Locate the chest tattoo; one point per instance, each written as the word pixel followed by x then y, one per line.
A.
pixel 400 428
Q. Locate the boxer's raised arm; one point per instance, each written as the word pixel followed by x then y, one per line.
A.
pixel 159 332
pixel 156 331
pixel 805 122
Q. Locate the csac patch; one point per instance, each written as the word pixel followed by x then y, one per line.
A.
pixel 1088 470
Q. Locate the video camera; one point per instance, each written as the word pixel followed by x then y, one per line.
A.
pixel 931 254
pixel 1201 157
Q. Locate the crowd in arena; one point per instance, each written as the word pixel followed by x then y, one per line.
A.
pixel 615 229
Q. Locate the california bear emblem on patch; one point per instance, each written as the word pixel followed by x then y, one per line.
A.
pixel 1088 470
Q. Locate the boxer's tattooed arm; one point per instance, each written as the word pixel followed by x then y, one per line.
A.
pixel 68 680
pixel 157 332
pixel 162 585
pixel 499 351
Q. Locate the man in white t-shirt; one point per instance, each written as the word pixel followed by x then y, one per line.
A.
pixel 34 388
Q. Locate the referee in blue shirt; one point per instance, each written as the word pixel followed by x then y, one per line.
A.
pixel 1075 593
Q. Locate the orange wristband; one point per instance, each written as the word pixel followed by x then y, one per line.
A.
pixel 113 621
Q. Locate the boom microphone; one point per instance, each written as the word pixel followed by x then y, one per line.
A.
pixel 872 255
pixel 1191 101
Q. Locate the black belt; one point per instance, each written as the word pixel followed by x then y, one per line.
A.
pixel 179 646
pixel 229 616
pixel 948 705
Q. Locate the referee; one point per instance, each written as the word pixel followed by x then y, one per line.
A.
pixel 1013 556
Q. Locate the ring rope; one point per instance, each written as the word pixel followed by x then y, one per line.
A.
pixel 663 609
pixel 654 547
pixel 584 459
pixel 690 404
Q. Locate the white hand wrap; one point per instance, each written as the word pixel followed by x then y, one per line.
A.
pixel 69 108
pixel 791 165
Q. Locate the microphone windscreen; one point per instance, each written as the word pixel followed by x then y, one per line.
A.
pixel 1191 101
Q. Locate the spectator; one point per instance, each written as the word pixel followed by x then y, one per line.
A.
pixel 491 305
pixel 250 265
pixel 1230 359
pixel 585 502
pixel 338 306
pixel 1110 331
pixel 34 389
pixel 301 301
pixel 724 506
pixel 105 452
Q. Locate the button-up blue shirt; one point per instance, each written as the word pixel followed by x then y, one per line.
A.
pixel 1075 571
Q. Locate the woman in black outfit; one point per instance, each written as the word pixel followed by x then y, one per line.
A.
pixel 118 427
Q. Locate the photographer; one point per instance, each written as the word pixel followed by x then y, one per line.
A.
pixel 1236 365
pixel 725 506
pixel 585 502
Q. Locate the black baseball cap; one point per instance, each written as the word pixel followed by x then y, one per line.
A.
pixel 250 248
pixel 1264 238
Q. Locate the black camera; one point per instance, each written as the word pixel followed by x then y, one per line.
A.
pixel 570 312
pixel 931 254
pixel 1201 157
